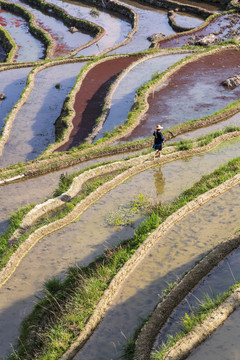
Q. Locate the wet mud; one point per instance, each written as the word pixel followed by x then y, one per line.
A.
pixel 195 90
pixel 12 84
pixel 223 343
pixel 116 27
pixel 177 252
pixel 29 48
pixel 2 54
pixel 219 280
pixel 86 238
pixel 33 128
pixel 89 99
pixel 65 40
pixel 151 20
pixel 224 27
pixel 123 97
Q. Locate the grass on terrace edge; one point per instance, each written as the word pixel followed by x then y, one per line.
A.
pixel 66 306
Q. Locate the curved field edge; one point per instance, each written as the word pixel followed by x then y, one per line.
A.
pixel 139 107
pixel 202 324
pixel 115 264
pixel 37 32
pixel 156 42
pixel 9 120
pixel 8 44
pixel 97 30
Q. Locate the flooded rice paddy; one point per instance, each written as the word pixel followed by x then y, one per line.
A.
pixel 12 83
pixel 223 28
pixel 219 280
pixel 33 128
pixel 124 94
pixel 86 238
pixel 194 90
pixel 29 48
pixel 183 245
pixel 116 27
pixel 151 20
pixel 224 342
pixel 215 7
pixel 187 21
pixel 65 40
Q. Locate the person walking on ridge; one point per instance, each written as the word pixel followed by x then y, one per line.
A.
pixel 158 140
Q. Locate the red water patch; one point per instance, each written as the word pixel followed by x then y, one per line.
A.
pixel 90 98
pixel 16 22
pixel 174 100
pixel 3 21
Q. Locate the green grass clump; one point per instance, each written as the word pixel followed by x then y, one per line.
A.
pixel 184 145
pixel 189 321
pixel 59 319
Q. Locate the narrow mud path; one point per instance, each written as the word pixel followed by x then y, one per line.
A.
pixel 89 99
pixel 219 280
pixel 174 254
pixel 29 48
pixel 151 20
pixel 12 84
pixel 225 27
pixel 117 28
pixel 65 40
pixel 33 128
pixel 194 90
pixel 87 238
pixel 124 95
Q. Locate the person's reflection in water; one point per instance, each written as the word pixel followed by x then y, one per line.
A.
pixel 159 180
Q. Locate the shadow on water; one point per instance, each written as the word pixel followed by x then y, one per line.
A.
pixel 121 314
pixel 9 329
pixel 12 92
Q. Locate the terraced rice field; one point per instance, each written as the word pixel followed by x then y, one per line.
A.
pixel 93 231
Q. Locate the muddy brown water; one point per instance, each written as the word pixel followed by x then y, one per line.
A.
pixel 12 83
pixel 116 26
pixel 29 48
pixel 219 280
pixel 33 128
pixel 225 27
pixel 123 97
pixel 224 342
pixel 194 90
pixel 65 40
pixel 177 252
pixel 151 21
pixel 86 238
pixel 16 195
pixel 90 98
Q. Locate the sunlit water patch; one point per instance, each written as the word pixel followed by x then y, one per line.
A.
pixel 116 27
pixel 187 20
pixel 65 40
pixel 151 21
pixel 12 83
pixel 124 95
pixel 168 260
pixel 194 91
pixel 29 48
pixel 83 240
pixel 224 342
pixel 219 280
pixel 33 129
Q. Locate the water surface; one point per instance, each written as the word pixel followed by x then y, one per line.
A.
pixel 116 27
pixel 12 83
pixel 174 254
pixel 65 40
pixel 33 129
pixel 29 48
pixel 86 238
